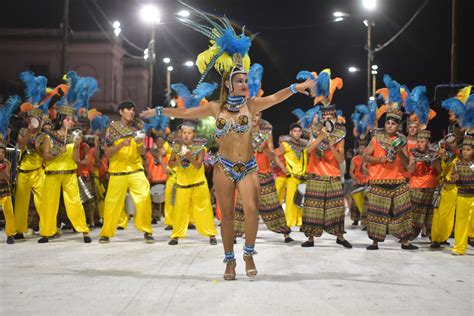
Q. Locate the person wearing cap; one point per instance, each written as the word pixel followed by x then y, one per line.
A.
pixel 358 173
pixel 124 149
pixel 293 149
pixel 424 168
pixel 60 152
pixel 270 208
pixel 192 192
pixel 463 175
pixel 443 215
pixel 323 208
pixel 388 200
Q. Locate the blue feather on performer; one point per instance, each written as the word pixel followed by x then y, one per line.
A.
pixel 372 113
pixel 304 75
pixel 100 123
pixel 299 113
pixel 232 44
pixel 6 112
pixel 85 88
pixel 255 79
pixel 422 109
pixel 322 84
pixel 35 86
pixel 203 90
pixel 306 118
pixel 182 91
pixel 454 105
pixel 72 78
pixel 157 122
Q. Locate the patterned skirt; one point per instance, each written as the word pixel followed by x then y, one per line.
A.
pixel 388 209
pixel 270 208
pixel 323 208
pixel 421 209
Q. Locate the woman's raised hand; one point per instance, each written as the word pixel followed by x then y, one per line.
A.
pixel 306 87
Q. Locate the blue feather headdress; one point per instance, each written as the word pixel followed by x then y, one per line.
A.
pixel 255 80
pixel 160 123
pixel 464 112
pixel 35 87
pixel 80 90
pixel 418 106
pixel 100 123
pixel 306 118
pixel 193 99
pixel 227 51
pixel 6 113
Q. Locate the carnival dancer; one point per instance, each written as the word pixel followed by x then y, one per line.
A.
pixel 280 174
pixel 30 176
pixel 323 208
pixel 170 186
pixel 445 206
pixel 388 199
pixel 293 148
pixel 6 113
pixel 235 166
pixel 424 163
pixel 270 208
pixel 124 149
pixel 463 173
pixel 192 193
pixel 60 155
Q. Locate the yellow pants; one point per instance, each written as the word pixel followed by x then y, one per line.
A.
pixel 464 223
pixel 99 198
pixel 195 202
pixel 293 213
pixel 139 188
pixel 280 183
pixel 443 217
pixel 358 199
pixel 25 183
pixel 168 193
pixel 50 205
pixel 123 220
pixel 7 208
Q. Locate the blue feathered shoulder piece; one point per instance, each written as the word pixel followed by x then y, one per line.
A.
pixel 84 89
pixel 6 112
pixel 35 86
pixel 306 118
pixel 100 123
pixel 203 90
pixel 157 122
pixel 255 79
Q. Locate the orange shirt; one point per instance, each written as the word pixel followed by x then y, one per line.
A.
pixel 357 161
pixel 325 166
pixel 424 177
pixel 387 171
pixel 263 163
pixel 104 166
pixel 86 170
pixel 410 145
pixel 278 171
pixel 156 172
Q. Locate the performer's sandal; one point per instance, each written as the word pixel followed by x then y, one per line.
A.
pixel 230 265
pixel 252 272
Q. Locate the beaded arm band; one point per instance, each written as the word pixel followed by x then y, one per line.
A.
pixel 159 111
pixel 293 88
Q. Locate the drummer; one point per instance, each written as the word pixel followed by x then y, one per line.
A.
pixel 155 167
pixel 323 208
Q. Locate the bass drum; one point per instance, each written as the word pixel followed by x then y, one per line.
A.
pixel 158 193
pixel 299 196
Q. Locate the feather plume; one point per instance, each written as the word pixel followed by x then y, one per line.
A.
pixel 100 123
pixel 6 112
pixel 72 78
pixel 84 89
pixel 255 79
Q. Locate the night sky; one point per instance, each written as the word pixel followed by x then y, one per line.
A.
pixel 292 36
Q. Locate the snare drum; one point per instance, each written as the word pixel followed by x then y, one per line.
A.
pixel 158 193
pixel 299 196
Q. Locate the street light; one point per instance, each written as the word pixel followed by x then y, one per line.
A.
pixel 189 63
pixel 184 13
pixel 375 67
pixel 339 19
pixel 117 29
pixel 369 4
pixel 170 68
pixel 150 14
pixel 339 14
pixel 166 60
pixel 353 69
pixel 374 78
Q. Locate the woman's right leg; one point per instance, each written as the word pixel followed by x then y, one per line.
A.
pixel 225 192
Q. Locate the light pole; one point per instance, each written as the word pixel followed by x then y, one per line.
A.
pixel 374 78
pixel 369 5
pixel 150 14
pixel 169 69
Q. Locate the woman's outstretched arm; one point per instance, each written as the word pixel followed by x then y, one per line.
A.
pixel 259 104
pixel 208 109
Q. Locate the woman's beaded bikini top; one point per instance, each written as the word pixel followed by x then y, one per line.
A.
pixel 241 125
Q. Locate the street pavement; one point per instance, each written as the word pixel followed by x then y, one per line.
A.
pixel 130 277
